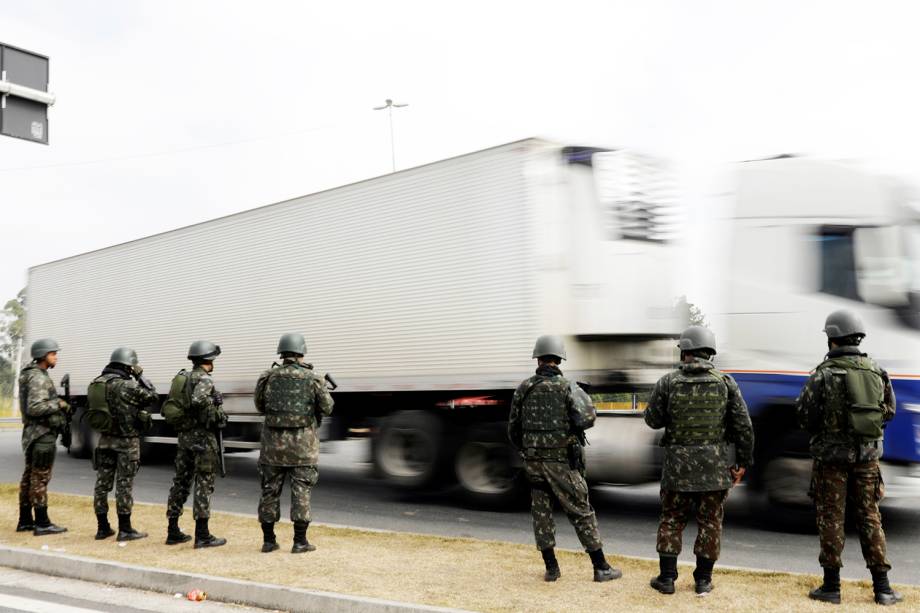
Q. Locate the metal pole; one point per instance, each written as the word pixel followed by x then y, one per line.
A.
pixel 392 143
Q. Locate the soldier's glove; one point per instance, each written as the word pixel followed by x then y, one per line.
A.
pixel 138 370
pixel 146 421
pixel 63 405
pixel 217 397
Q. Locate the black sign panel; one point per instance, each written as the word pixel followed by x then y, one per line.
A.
pixel 20 117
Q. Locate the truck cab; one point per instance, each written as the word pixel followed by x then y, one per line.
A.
pixel 807 237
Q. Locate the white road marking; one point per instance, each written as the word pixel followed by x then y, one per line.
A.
pixel 40 606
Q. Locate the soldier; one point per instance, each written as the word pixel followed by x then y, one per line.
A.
pixel 294 400
pixel 118 402
pixel 546 425
pixel 201 415
pixel 44 416
pixel 845 406
pixel 702 412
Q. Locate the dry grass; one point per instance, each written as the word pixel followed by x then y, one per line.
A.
pixel 6 410
pixel 463 573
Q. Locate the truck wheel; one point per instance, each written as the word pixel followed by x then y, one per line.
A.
pixel 786 479
pixel 487 474
pixel 410 450
pixel 83 439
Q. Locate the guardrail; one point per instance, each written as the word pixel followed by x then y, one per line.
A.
pixel 10 420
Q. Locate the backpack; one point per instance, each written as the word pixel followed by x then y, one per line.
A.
pixel 98 414
pixel 177 408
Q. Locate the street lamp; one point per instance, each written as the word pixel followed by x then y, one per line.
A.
pixel 389 106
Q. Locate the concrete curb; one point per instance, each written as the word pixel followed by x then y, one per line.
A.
pixel 250 593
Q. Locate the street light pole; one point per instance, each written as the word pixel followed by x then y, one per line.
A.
pixel 389 106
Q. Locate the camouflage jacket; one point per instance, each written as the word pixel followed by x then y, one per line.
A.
pixel 705 467
pixel 206 403
pixel 38 401
pixel 293 446
pixel 823 390
pixel 550 394
pixel 125 398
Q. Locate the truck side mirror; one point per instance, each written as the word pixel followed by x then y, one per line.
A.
pixel 880 266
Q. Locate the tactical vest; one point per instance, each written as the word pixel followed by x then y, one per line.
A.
pixel 853 397
pixel 544 415
pixel 697 404
pixel 106 413
pixel 289 401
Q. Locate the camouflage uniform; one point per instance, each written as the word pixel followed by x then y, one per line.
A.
pixel 117 456
pixel 541 426
pixel 43 417
pixel 845 465
pixel 291 397
pixel 197 454
pixel 702 412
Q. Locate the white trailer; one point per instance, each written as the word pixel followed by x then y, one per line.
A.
pixel 422 291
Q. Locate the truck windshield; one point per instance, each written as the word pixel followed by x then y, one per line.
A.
pixel 910 313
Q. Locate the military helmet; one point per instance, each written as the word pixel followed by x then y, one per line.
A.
pixel 203 351
pixel 43 347
pixel 549 344
pixel 293 343
pixel 697 337
pixel 843 323
pixel 125 356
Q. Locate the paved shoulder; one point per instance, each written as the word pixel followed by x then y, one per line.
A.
pixel 36 593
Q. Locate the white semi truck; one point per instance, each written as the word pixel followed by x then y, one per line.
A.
pixel 422 292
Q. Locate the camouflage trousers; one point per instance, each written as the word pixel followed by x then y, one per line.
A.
pixel 675 513
pixel 860 484
pixel 192 466
pixel 39 460
pixel 303 479
pixel 556 481
pixel 114 468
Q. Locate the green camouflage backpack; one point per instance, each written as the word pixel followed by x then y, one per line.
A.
pixel 863 393
pixel 99 414
pixel 177 408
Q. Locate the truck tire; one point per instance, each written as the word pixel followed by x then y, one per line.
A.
pixel 489 470
pixel 784 481
pixel 411 450
pixel 83 439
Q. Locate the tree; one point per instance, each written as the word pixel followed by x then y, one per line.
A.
pixel 690 312
pixel 12 332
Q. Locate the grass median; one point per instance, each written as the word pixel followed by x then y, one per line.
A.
pixel 452 572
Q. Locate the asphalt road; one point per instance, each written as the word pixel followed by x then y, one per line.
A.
pixel 347 494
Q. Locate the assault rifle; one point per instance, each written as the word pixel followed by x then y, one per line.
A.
pixel 66 434
pixel 330 381
pixel 219 402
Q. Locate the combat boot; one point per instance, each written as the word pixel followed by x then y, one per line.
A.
pixel 203 536
pixel 125 531
pixel 269 542
pixel 667 574
pixel 602 570
pixel 26 523
pixel 552 565
pixel 104 528
pixel 43 525
pixel 301 545
pixel 175 536
pixel 702 575
pixel 884 594
pixel 829 591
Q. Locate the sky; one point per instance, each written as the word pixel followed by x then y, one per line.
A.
pixel 173 112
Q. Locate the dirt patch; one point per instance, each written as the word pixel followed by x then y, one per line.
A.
pixel 451 572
